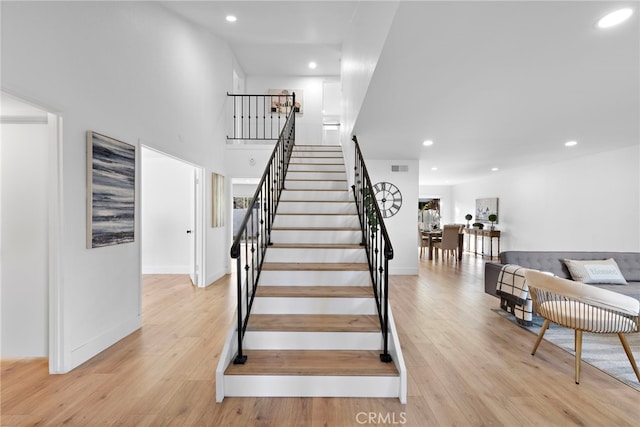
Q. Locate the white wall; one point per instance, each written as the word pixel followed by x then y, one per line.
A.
pixel 133 71
pixel 360 52
pixel 587 204
pixel 25 281
pixel 403 226
pixel 167 213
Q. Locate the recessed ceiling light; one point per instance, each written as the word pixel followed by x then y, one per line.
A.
pixel 231 18
pixel 312 65
pixel 435 168
pixel 615 18
pixel 571 143
pixel 494 169
pixel 427 143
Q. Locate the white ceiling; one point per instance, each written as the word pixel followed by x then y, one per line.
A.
pixel 276 37
pixel 494 84
pixel 501 84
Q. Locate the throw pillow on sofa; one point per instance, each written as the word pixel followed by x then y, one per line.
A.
pixel 595 271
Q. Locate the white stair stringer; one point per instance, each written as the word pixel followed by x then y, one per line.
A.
pixel 315 269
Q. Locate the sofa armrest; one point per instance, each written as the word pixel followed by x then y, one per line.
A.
pixel 491 272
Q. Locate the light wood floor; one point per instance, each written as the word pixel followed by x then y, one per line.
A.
pixel 467 366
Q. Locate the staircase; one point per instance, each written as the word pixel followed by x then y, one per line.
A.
pixel 314 328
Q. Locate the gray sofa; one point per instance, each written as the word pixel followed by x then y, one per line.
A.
pixel 628 262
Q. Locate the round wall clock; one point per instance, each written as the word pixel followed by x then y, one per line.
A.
pixel 389 198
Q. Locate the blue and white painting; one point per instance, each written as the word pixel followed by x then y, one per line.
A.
pixel 111 196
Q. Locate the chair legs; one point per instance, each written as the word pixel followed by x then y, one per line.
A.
pixel 543 329
pixel 578 349
pixel 627 350
pixel 578 343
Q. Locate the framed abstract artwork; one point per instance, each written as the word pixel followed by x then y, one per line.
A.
pixel 486 207
pixel 111 187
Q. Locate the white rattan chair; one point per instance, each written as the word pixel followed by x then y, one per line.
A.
pixel 582 308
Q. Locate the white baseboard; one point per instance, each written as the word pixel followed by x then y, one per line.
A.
pixel 86 351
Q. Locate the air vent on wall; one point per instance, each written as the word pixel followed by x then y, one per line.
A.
pixel 399 168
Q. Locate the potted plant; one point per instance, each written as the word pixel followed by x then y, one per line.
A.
pixel 493 218
pixel 478 225
pixel 468 218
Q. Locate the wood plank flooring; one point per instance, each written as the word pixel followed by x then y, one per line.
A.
pixel 467 366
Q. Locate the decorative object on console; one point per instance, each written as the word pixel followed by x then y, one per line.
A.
pixel 111 187
pixel 389 198
pixel 485 207
pixel 493 218
pixel 468 217
pixel 478 225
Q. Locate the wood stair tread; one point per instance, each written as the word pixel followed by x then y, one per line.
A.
pixel 314 292
pixel 315 266
pixel 313 362
pixel 314 322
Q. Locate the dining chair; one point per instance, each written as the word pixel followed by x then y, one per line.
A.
pixel 582 307
pixel 449 242
pixel 423 241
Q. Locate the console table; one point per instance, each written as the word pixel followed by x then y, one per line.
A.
pixel 482 233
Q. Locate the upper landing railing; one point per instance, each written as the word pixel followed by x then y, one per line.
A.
pixel 260 117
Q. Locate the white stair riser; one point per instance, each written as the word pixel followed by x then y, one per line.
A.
pixel 316 207
pixel 314 160
pixel 309 236
pixel 322 154
pixel 273 305
pixel 311 386
pixel 293 184
pixel 293 167
pixel 314 278
pixel 310 220
pixel 316 196
pixel 315 255
pixel 276 340
pixel 318 175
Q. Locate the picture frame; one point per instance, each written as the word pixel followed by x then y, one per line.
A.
pixel 217 200
pixel 281 101
pixel 111 187
pixel 486 207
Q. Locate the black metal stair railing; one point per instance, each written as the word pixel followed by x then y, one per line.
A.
pixel 254 234
pixel 260 117
pixel 376 241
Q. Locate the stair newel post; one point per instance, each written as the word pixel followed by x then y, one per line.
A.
pixel 385 356
pixel 240 358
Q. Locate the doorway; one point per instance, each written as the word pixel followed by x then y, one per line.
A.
pixel 30 231
pixel 172 216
